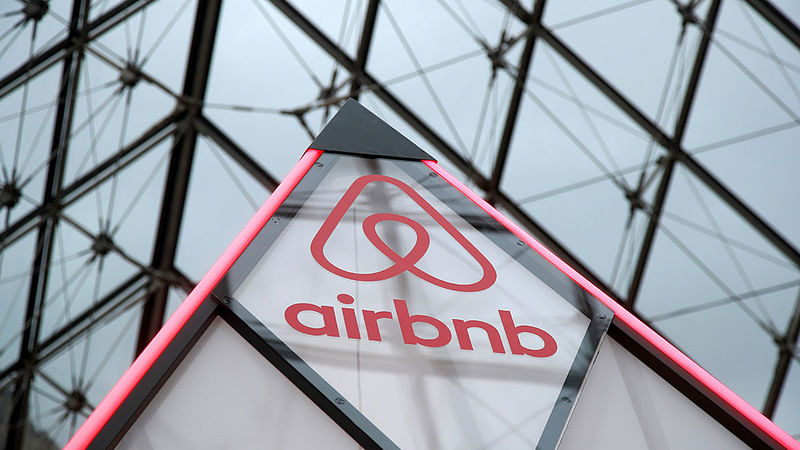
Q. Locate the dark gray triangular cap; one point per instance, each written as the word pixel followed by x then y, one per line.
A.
pixel 355 130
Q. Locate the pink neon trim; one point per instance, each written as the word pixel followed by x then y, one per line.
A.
pixel 97 420
pixel 714 385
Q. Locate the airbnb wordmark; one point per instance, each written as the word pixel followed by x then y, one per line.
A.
pixel 405 263
pixel 439 330
pixel 406 321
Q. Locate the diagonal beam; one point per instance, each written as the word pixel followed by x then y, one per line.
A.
pixel 180 166
pixel 513 106
pixel 237 153
pixel 650 234
pixel 364 45
pixel 605 87
pixel 778 20
pixel 669 163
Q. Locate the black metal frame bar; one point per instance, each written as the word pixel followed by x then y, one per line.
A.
pixel 363 46
pixel 516 100
pixel 669 163
pixel 786 353
pixel 206 127
pixel 330 401
pixel 176 187
pixel 778 20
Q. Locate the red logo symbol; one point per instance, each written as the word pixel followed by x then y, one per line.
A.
pixel 401 263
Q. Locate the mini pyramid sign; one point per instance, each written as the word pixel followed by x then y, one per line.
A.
pixel 375 301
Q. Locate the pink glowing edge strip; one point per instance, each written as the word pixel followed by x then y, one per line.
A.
pixel 653 338
pixel 98 419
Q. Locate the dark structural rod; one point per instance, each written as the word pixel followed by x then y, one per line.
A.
pixel 180 165
pixel 513 106
pixel 364 45
pixel 669 163
pixel 37 292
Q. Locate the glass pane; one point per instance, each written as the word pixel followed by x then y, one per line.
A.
pixel 463 359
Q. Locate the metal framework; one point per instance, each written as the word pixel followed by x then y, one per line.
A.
pixel 45 209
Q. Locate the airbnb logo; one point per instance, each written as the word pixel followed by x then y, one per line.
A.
pixel 401 263
pixel 325 323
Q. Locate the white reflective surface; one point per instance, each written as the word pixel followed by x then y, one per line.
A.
pixel 225 395
pixel 625 405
